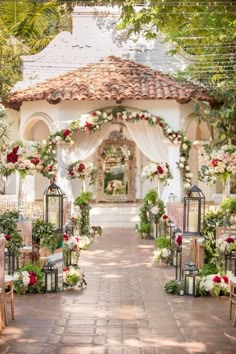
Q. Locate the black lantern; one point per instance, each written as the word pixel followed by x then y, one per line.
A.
pixel 11 261
pixel 51 277
pixel 194 206
pixel 230 262
pixel 53 206
pixel 190 274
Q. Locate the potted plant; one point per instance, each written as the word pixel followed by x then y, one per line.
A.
pixel 44 235
pixel 228 205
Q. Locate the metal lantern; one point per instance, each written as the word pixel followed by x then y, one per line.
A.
pixel 51 277
pixel 190 273
pixel 230 262
pixel 53 206
pixel 11 262
pixel 194 206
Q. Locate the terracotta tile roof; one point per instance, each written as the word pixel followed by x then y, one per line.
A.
pixel 111 79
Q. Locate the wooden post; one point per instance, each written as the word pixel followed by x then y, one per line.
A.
pixel 2 288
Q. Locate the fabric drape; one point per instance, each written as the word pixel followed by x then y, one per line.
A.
pixel 149 140
pixel 87 144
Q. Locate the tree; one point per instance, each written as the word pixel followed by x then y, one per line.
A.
pixel 26 27
pixel 206 32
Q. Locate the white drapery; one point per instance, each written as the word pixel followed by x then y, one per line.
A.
pixel 149 140
pixel 87 144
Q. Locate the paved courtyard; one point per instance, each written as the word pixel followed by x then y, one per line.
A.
pixel 123 310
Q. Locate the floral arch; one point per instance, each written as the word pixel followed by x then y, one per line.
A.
pixel 92 122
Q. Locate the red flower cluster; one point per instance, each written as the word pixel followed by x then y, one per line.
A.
pixel 229 239
pixel 66 133
pixel 65 237
pixel 179 240
pixel 160 170
pixel 33 278
pixel 12 156
pixel 225 278
pixel 215 162
pixel 35 161
pixel 71 173
pixel 165 217
pixel 8 237
pixel 81 167
pixel 217 279
pixel 88 127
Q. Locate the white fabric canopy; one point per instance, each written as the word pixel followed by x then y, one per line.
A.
pixel 149 140
pixel 87 144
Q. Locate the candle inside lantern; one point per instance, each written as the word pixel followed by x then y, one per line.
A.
pixel 190 286
pixel 193 221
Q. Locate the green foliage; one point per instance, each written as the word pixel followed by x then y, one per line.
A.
pixel 173 287
pixel 83 201
pixel 208 269
pixel 44 234
pixel 210 222
pixel 8 226
pixel 83 198
pixel 229 205
pixel 163 242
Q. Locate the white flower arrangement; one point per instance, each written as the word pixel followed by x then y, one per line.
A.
pixel 82 170
pixel 161 255
pixel 72 276
pixel 225 244
pixel 214 284
pixel 156 170
pixel 219 163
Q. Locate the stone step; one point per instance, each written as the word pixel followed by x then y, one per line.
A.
pixel 112 216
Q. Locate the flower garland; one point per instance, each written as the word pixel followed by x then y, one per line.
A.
pixel 218 163
pixel 160 171
pixel 82 170
pixel 92 123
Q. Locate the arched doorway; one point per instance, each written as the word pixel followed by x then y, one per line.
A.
pixel 116 160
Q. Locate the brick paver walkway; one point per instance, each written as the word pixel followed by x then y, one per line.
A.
pixel 124 310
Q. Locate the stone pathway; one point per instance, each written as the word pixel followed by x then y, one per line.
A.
pixel 123 310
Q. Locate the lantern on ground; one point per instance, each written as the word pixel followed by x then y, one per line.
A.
pixel 190 274
pixel 53 206
pixel 51 277
pixel 194 206
pixel 230 262
pixel 11 261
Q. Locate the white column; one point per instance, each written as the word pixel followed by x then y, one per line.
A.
pixel 175 184
pixel 62 162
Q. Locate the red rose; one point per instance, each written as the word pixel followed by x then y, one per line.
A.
pixel 160 170
pixel 12 157
pixel 66 133
pixel 15 149
pixel 33 278
pixel 216 279
pixel 178 240
pixel 65 237
pixel 164 216
pixel 88 127
pixel 35 161
pixel 215 162
pixel 66 269
pixel 226 279
pixel 229 239
pixel 81 167
pixel 137 116
pixel 71 172
pixel 77 239
pixel 143 116
pixel 8 237
pixel 94 114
